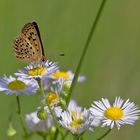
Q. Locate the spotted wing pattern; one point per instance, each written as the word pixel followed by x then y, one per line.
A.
pixel 28 45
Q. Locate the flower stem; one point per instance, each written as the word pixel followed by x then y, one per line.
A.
pixel 51 112
pixel 76 137
pixel 20 116
pixel 55 121
pixel 45 137
pixel 91 33
pixel 56 134
pixel 67 132
pixel 105 134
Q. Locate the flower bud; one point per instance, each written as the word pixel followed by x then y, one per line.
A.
pixel 11 131
pixel 67 85
pixel 42 114
pixel 53 129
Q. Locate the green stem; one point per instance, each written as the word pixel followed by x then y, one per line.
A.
pixel 45 137
pixel 51 112
pixel 20 116
pixel 56 134
pixel 42 89
pixel 92 31
pixel 76 137
pixel 67 132
pixel 55 120
pixel 105 134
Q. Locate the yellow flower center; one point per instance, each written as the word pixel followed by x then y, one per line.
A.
pixel 114 113
pixel 53 98
pixel 77 121
pixel 59 74
pixel 17 85
pixel 37 71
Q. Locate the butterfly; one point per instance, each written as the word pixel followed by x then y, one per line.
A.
pixel 28 46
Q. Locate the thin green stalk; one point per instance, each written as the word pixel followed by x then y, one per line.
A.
pixel 45 137
pixel 54 119
pixel 67 132
pixel 105 134
pixel 20 116
pixel 51 112
pixel 56 134
pixel 42 89
pixel 76 137
pixel 92 31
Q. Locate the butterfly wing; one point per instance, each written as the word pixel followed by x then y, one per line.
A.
pixel 23 51
pixel 28 45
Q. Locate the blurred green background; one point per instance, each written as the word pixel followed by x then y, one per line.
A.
pixel 112 63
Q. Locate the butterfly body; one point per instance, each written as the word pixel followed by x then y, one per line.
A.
pixel 28 45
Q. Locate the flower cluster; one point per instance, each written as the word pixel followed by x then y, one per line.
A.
pixel 55 112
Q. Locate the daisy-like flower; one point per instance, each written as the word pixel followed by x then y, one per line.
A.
pixel 66 75
pixel 37 125
pixel 42 126
pixel 56 110
pixel 119 113
pixel 37 70
pixel 53 98
pixel 60 79
pixel 75 119
pixel 12 85
pixel 53 94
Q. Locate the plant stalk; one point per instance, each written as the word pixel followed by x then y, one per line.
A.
pixel 51 112
pixel 105 134
pixel 20 117
pixel 45 137
pixel 91 33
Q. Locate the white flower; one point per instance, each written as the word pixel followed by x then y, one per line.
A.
pixel 37 70
pixel 12 85
pixel 53 85
pixel 75 119
pixel 56 110
pixel 53 98
pixel 37 125
pixel 66 75
pixel 59 81
pixel 120 113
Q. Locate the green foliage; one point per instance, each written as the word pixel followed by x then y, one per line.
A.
pixel 112 61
